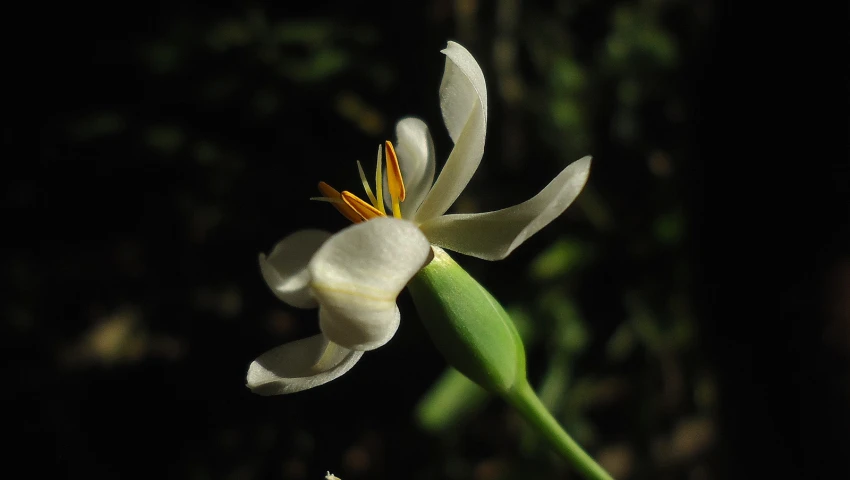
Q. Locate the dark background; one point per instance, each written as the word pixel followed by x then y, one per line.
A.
pixel 152 150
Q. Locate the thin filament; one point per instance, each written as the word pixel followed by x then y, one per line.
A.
pixel 379 183
pixel 366 184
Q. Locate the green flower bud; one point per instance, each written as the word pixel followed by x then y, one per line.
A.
pixel 469 327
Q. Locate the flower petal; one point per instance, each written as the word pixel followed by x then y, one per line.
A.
pixel 285 269
pixel 462 85
pixel 494 235
pixel 463 99
pixel 415 151
pixel 299 365
pixel 372 329
pixel 357 275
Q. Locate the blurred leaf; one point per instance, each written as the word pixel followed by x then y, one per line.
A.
pixel 637 44
pixel 523 322
pixel 567 92
pixel 659 45
pixel 556 380
pixel 567 76
pixel 582 394
pixel 705 392
pixel 163 57
pixel 166 139
pixel 365 116
pixel 584 431
pixel 669 228
pixel 304 32
pixel 621 344
pixel 230 33
pixel 617 49
pixel 206 152
pixel 629 92
pixel 625 125
pixel 570 333
pixel 266 101
pixel 221 87
pixel 97 125
pixel 566 114
pixel 595 209
pixel 320 66
pixel 562 258
pixel 450 399
pixel 682 333
pixel 645 324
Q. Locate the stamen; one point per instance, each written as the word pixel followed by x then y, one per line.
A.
pixel 355 209
pixel 394 181
pixel 339 203
pixel 366 184
pixel 366 211
pixel 379 184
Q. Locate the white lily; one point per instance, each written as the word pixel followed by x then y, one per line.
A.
pixel 354 276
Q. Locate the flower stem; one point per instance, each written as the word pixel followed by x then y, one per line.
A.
pixel 523 398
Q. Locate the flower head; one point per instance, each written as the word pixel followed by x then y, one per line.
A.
pixel 354 276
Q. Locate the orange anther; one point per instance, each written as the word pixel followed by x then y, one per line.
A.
pixel 394 180
pixel 340 204
pixel 363 209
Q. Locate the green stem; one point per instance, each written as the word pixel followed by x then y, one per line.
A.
pixel 523 398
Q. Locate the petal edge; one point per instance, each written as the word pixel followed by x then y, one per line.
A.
pixel 463 99
pixel 285 268
pixel 299 365
pixel 494 235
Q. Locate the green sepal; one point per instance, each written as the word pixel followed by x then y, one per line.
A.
pixel 469 327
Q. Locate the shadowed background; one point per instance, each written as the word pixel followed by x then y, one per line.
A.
pixel 167 145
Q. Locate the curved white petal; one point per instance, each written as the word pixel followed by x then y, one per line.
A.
pixel 462 84
pixel 373 328
pixel 463 99
pixel 415 151
pixel 285 269
pixel 299 365
pixel 494 235
pixel 357 275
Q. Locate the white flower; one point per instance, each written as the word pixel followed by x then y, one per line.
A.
pixel 354 276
